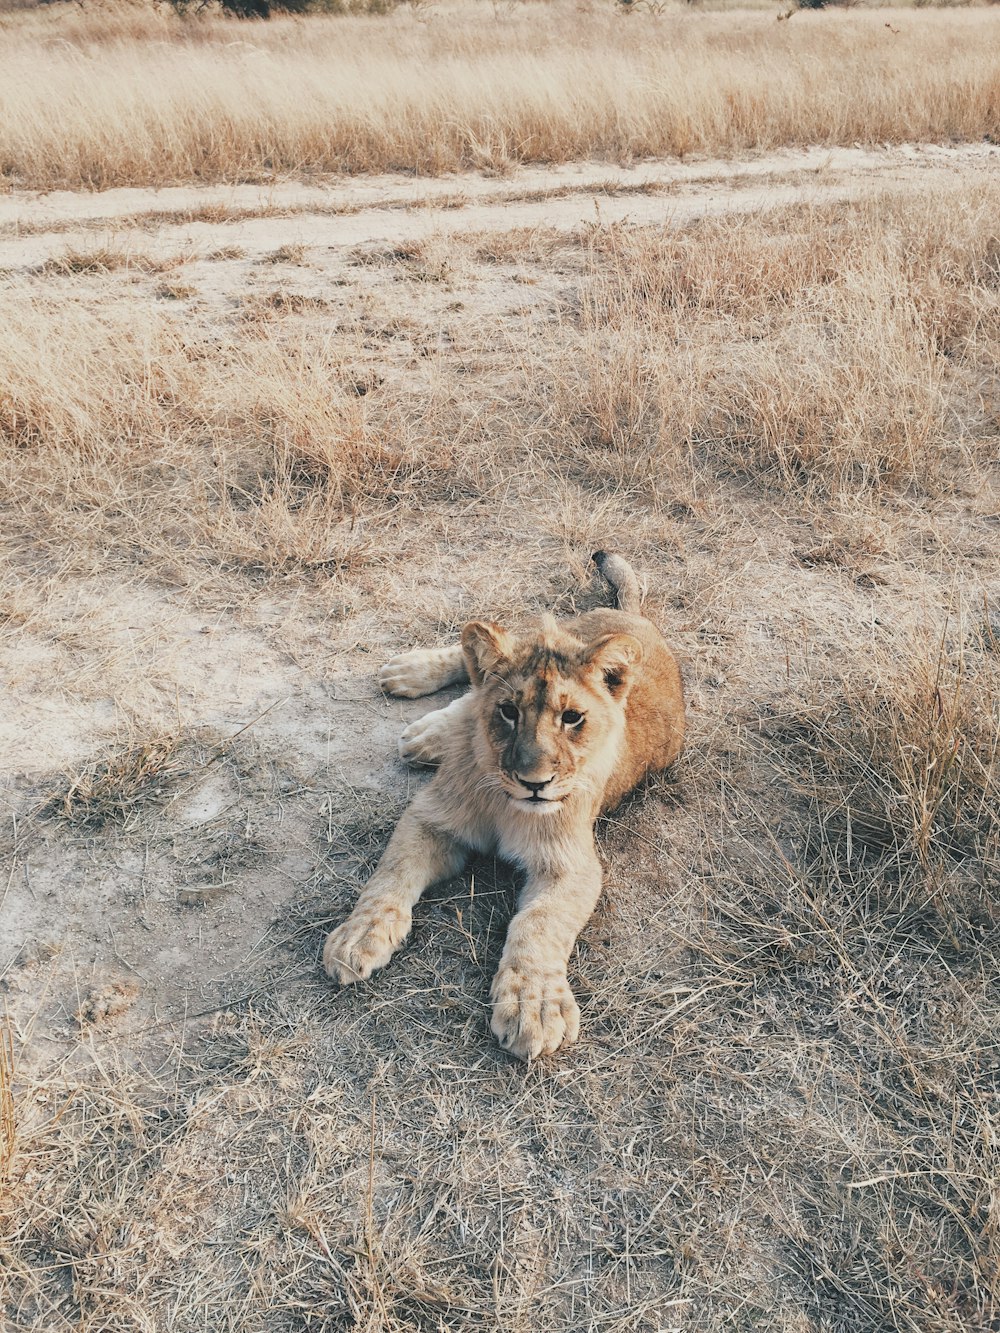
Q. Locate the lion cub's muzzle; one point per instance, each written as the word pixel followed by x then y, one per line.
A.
pixel 533 794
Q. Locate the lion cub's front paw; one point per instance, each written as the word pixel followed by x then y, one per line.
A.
pixel 422 742
pixel 409 675
pixel 534 1013
pixel 364 943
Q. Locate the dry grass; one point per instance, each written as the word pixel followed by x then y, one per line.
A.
pixel 826 355
pixel 112 789
pixel 103 259
pixel 842 351
pixel 8 1113
pixel 132 96
pixel 256 448
pixel 781 1115
pixel 175 291
pixel 287 254
pixel 905 762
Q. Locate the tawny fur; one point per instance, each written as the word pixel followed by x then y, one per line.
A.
pixel 561 722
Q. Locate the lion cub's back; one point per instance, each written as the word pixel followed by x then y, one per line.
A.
pixel 654 719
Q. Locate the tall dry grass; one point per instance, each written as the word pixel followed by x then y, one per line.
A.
pixel 903 757
pixel 829 348
pixel 132 98
pixel 117 422
pixel 826 351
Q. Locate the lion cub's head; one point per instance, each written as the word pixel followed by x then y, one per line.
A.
pixel 552 708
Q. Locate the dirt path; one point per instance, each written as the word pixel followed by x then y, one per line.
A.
pixel 189 221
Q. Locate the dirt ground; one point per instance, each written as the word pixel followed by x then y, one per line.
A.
pixel 198 769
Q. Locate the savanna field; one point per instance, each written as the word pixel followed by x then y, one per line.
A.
pixel 323 335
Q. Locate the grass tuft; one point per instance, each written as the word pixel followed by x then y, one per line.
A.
pixel 112 789
pixel 8 1115
pixel 104 259
pixel 904 763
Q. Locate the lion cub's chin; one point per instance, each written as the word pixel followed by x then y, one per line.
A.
pixel 537 807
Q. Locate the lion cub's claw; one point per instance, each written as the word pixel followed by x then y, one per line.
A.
pixel 364 943
pixel 534 1013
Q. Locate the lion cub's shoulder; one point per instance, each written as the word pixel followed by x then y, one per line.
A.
pixel 654 708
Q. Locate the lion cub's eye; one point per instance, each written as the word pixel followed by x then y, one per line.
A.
pixel 509 713
pixel 571 718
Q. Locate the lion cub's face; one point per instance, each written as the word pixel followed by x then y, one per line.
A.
pixel 552 708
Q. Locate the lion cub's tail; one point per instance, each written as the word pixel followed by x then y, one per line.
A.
pixel 622 578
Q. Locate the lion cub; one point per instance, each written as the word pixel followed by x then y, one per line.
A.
pixel 561 722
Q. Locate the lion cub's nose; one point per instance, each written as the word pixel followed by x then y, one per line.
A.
pixel 534 787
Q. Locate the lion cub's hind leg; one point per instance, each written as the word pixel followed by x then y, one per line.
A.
pixel 425 740
pixel 423 671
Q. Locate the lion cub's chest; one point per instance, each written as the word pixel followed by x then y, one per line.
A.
pixel 532 842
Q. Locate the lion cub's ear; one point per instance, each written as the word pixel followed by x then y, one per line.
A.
pixel 615 657
pixel 485 646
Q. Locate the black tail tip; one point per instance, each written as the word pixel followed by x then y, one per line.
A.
pixel 599 558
